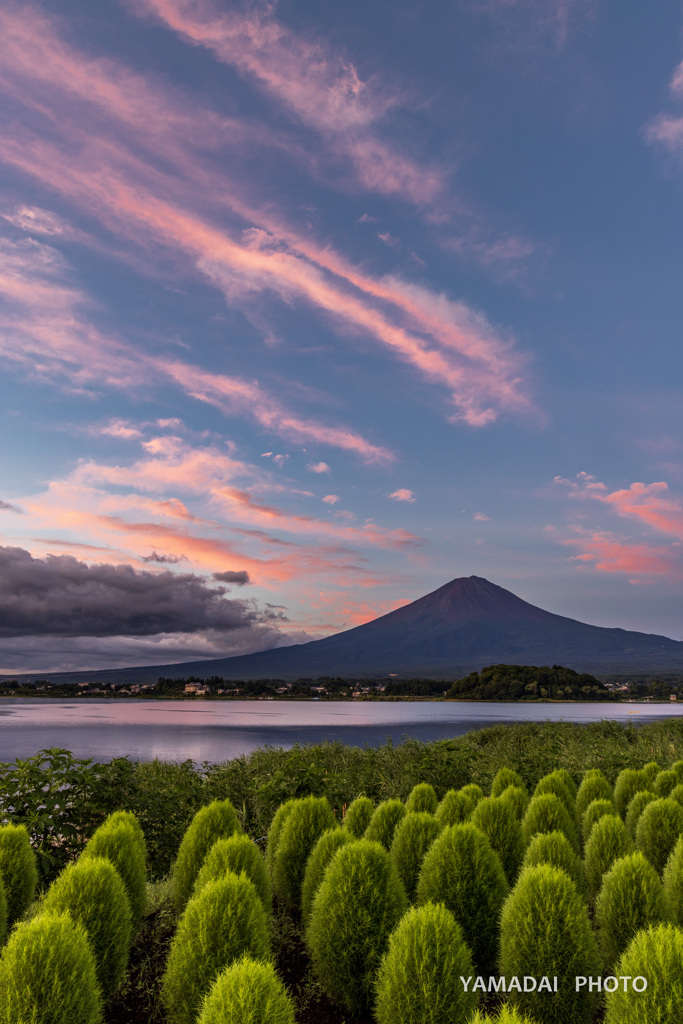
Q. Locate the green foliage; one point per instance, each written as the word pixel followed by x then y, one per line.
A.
pixel 504 778
pixel 517 798
pixel 651 770
pixel 629 782
pixel 556 782
pixel 383 822
pixel 658 829
pixel 594 786
pixel 595 810
pixel 677 793
pixel 223 922
pixel 677 767
pixel 554 848
pixel 422 798
pixel 507 1014
pixel 665 782
pixel 275 830
pixel 548 813
pixel 358 815
pixel 636 807
pixel 118 842
pixel 419 977
pixel 47 974
pixel 545 930
pixel 18 871
pixel 672 878
pixel 632 897
pixel 473 792
pixel 414 834
pixel 497 820
pixel 316 865
pixel 92 892
pixel 247 992
pixel 528 682
pixel 607 842
pixel 3 911
pixel 454 808
pixel 360 901
pixel 656 955
pixel 215 821
pixel 461 871
pixel 307 821
pixel 237 854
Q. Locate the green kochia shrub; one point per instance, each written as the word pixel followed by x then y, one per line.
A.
pixel 92 892
pixel 117 841
pixel 568 780
pixel 497 820
pixel 545 931
pixel 556 783
pixel 677 793
pixel 383 822
pixel 358 815
pixel 651 770
pixel 504 778
pixel 673 881
pixel 629 782
pixel 474 792
pixel 461 871
pixel 506 1015
pixel 223 922
pixel 422 798
pixel 454 808
pixel 635 809
pixel 3 912
pixel 316 865
pixel 309 818
pixel 247 992
pixel 356 908
pixel 47 974
pixel 18 871
pixel 419 978
pixel 608 841
pixel 413 836
pixel 665 782
pixel 548 813
pixel 658 829
pixel 554 848
pixel 517 798
pixel 215 821
pixel 655 955
pixel 237 854
pixel 677 767
pixel 595 810
pixel 632 897
pixel 276 826
pixel 594 786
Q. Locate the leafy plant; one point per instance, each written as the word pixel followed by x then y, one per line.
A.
pixel 656 955
pixel 504 778
pixel 454 808
pixel 215 821
pixel 275 830
pixel 548 813
pixel 665 782
pixel 422 798
pixel 594 786
pixel 632 897
pixel 556 782
pixel 555 849
pixel 309 818
pixel 629 782
pixel 247 992
pixel 237 854
pixel 506 1015
pixel 496 819
pixel 316 865
pixel 595 810
pixel 118 841
pixel 517 799
pixel 383 822
pixel 608 841
pixel 18 871
pixel 358 815
pixel 672 878
pixel 658 829
pixel 636 807
pixel 414 834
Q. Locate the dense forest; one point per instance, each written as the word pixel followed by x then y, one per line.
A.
pixel 527 682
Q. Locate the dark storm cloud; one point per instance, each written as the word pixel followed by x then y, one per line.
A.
pixel 164 559
pixel 61 596
pixel 239 578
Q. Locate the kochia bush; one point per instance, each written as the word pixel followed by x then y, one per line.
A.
pixel 383 822
pixel 474 792
pixel 517 799
pixel 237 854
pixel 223 922
pixel 629 782
pixel 215 821
pixel 665 782
pixel 556 782
pixel 507 1014
pixel 275 830
pixel 608 841
pixel 636 807
pixel 3 912
pixel 673 881
pixel 658 829
pixel 358 815
pixel 497 820
pixel 247 992
pixel 309 818
pixel 413 836
pixel 594 786
pixel 632 897
pixel 655 954
pixel 359 903
pixel 18 871
pixel 316 865
pixel 422 798
pixel 117 841
pixel 545 930
pixel 47 974
pixel 595 810
pixel 554 848
pixel 548 813
pixel 504 778
pixel 454 808
pixel 461 871
pixel 92 892
pixel 418 981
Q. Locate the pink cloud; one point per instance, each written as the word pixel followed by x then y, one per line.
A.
pixel 649 504
pixel 609 554
pixel 331 499
pixel 319 467
pixel 403 494
pixel 479 517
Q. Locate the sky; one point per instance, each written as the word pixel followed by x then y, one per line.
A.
pixel 307 309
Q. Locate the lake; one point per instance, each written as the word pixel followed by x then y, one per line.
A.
pixel 216 731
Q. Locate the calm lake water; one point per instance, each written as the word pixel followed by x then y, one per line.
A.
pixel 213 731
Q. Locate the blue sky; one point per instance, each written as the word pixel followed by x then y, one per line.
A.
pixel 306 310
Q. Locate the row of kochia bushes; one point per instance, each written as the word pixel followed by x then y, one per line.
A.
pixel 415 911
